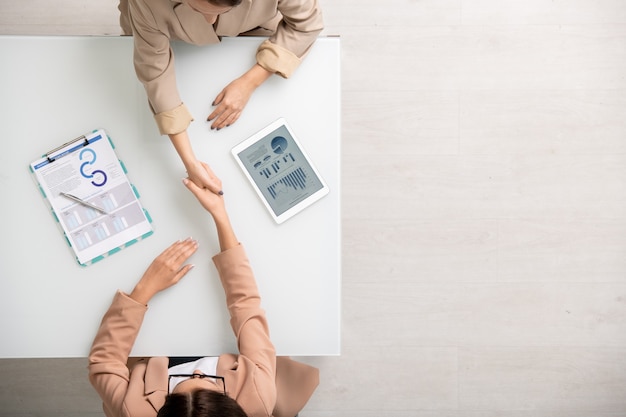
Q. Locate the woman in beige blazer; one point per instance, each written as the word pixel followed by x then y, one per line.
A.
pixel 255 382
pixel 292 27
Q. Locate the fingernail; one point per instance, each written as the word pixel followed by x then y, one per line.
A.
pixel 185 181
pixel 220 192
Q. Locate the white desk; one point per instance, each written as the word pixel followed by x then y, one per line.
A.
pixel 53 89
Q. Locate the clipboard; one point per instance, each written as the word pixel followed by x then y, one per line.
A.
pixel 90 197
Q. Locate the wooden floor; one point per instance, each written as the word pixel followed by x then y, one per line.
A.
pixel 484 211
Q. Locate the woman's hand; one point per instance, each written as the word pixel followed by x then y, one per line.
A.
pixel 212 201
pixel 203 177
pixel 233 98
pixel 195 169
pixel 230 103
pixel 214 204
pixel 165 271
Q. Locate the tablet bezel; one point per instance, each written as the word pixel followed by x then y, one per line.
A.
pixel 301 205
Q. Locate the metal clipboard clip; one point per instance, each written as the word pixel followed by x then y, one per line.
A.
pixel 51 158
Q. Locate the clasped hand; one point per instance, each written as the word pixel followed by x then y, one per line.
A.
pixel 202 175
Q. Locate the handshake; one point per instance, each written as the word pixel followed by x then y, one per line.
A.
pixel 170 266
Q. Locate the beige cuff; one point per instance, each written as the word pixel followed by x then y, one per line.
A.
pixel 277 59
pixel 174 121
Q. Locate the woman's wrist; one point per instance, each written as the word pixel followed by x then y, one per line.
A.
pixel 256 75
pixel 190 163
pixel 141 294
pixel 220 218
pixel 225 232
pixel 182 144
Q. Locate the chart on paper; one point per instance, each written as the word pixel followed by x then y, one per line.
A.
pixel 108 215
pixel 88 226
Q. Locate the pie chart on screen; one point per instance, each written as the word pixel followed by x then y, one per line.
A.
pixel 279 144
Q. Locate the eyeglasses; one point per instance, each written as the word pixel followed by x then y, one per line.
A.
pixel 217 379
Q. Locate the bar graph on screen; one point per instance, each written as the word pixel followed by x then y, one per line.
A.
pixel 280 171
pixel 295 180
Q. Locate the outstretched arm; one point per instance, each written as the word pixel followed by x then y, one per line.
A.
pixel 247 318
pixel 120 325
pixel 213 202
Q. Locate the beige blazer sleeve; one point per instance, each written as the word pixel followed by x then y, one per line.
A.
pixel 261 383
pixel 296 32
pixel 256 393
pixel 255 378
pixel 154 64
pixel 109 352
pixel 294 25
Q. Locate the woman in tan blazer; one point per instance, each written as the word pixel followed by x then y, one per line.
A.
pixel 292 27
pixel 254 382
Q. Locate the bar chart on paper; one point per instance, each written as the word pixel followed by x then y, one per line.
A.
pixel 88 227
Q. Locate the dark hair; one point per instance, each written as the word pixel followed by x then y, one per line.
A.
pixel 200 403
pixel 231 3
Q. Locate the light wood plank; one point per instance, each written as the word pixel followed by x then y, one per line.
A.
pixel 585 122
pixel 485 57
pixel 405 13
pixel 585 250
pixel 485 251
pixel 513 12
pixel 483 314
pixel 388 122
pixel 398 252
pixel 561 381
pixel 411 379
pixel 69 17
pixel 485 187
pixel 460 413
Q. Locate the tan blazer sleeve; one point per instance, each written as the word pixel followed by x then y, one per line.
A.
pixel 154 65
pixel 110 349
pixel 295 384
pixel 297 31
pixel 248 322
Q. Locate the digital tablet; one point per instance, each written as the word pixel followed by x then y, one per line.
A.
pixel 280 171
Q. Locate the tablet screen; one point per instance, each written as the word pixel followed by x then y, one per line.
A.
pixel 280 169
